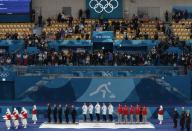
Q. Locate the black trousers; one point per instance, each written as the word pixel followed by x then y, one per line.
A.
pixel 85 117
pixel 73 118
pixel 91 117
pixel 55 118
pixel 104 118
pixel 67 118
pixel 175 123
pixel 49 117
pixel 60 119
pixel 111 117
pixel 98 116
pixel 182 125
pixel 188 128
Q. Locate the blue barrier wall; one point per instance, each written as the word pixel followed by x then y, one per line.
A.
pixel 103 84
pixel 151 86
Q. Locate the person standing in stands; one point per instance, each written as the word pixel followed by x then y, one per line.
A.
pixel 55 113
pixel 137 113
pixel 175 118
pixel 90 111
pixel 160 114
pixel 144 113
pixel 120 112
pixel 34 114
pixel 98 111
pixel 40 20
pixel 85 109
pixel 182 118
pixel 131 113
pixel 125 113
pixel 110 112
pixel 60 113
pixel 188 121
pixel 66 112
pixel 49 112
pixel 104 112
pixel 73 114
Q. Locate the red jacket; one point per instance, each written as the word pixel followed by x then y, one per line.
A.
pixel 125 110
pixel 144 111
pixel 24 114
pixel 120 109
pixel 8 116
pixel 16 116
pixel 131 110
pixel 137 110
pixel 160 112
pixel 34 112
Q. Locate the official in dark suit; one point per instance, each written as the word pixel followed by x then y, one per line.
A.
pixel 188 120
pixel 66 112
pixel 73 114
pixel 175 118
pixel 49 112
pixel 60 113
pixel 55 113
pixel 182 119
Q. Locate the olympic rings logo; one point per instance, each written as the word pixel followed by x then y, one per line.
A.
pixel 100 6
pixel 4 75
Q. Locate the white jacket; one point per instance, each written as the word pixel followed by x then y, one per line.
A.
pixel 110 109
pixel 84 108
pixel 90 109
pixel 97 109
pixel 104 109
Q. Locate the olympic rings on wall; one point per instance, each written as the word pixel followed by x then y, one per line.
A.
pixel 107 6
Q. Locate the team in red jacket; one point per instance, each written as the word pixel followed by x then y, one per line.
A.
pixel 138 111
pixel 120 113
pixel 15 118
pixel 160 114
pixel 24 117
pixel 7 118
pixel 34 114
pixel 125 113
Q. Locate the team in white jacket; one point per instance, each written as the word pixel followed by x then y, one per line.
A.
pixel 88 110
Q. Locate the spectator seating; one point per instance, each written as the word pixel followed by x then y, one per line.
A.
pixel 181 29
pixel 21 29
pixel 148 27
pixel 55 27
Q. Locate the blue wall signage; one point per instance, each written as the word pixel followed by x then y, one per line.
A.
pixel 104 36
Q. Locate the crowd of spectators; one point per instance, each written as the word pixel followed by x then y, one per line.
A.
pixel 155 56
pixel 68 57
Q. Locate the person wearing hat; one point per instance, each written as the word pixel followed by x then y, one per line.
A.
pixel 7 118
pixel 34 114
pixel 160 114
pixel 15 118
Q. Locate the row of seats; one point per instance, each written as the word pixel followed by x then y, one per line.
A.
pixel 182 29
pixel 21 29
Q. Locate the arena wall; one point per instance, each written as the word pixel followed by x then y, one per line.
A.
pixel 53 7
pixel 131 6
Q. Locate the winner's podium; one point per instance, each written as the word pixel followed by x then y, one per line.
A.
pixel 103 125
